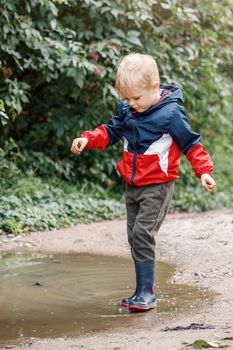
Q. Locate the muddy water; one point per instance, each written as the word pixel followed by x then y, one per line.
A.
pixel 65 295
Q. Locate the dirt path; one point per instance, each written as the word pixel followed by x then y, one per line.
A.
pixel 201 246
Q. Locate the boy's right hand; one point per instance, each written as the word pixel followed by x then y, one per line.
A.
pixel 78 145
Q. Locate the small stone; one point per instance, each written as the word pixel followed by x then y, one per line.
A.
pixel 78 241
pixel 10 235
pixel 37 284
pixel 27 245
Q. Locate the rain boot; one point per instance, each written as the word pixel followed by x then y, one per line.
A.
pixel 144 297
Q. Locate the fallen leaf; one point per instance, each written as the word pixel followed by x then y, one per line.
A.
pixel 203 344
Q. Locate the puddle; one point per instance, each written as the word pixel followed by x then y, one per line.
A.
pixel 68 295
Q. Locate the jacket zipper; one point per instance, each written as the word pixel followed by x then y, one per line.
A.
pixel 134 154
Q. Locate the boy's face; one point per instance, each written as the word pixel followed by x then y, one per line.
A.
pixel 141 99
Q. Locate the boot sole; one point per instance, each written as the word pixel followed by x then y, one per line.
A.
pixel 140 308
pixel 125 305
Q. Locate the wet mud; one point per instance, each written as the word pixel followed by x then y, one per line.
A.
pixel 57 295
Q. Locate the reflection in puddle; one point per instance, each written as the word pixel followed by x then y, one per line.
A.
pixel 57 295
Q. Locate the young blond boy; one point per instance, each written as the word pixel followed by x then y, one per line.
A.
pixel 152 121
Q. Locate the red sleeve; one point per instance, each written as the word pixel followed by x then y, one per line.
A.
pixel 200 160
pixel 97 138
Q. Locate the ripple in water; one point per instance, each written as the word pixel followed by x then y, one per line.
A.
pixel 56 295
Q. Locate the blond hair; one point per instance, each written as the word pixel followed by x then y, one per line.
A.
pixel 136 70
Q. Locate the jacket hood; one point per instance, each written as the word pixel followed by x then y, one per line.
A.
pixel 170 94
pixel 173 92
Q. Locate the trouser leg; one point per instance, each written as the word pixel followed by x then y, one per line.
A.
pixel 146 210
pixel 132 208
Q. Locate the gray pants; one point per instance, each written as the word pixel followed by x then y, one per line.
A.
pixel 146 209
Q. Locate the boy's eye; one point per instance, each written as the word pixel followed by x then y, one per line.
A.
pixel 134 98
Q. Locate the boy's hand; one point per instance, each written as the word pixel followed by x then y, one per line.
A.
pixel 208 183
pixel 78 145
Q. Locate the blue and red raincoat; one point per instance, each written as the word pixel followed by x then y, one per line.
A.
pixel 153 140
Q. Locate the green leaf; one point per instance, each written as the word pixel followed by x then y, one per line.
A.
pixel 203 344
pixel 3 118
pixel 165 5
pixel 53 24
pixel 53 8
pixel 115 12
pixel 119 32
pixel 79 79
pixel 6 28
pixel 134 40
pixel 133 33
pixel 116 41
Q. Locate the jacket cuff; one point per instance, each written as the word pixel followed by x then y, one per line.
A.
pixel 200 160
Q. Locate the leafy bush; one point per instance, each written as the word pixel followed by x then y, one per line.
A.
pixel 34 205
pixel 58 62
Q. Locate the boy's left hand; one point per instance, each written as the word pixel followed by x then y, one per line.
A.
pixel 208 183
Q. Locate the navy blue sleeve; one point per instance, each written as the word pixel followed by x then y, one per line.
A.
pixel 181 131
pixel 114 126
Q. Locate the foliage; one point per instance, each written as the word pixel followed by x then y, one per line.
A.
pixel 12 226
pixel 57 63
pixel 3 115
pixel 34 205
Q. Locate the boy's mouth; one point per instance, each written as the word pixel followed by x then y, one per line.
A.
pixel 139 110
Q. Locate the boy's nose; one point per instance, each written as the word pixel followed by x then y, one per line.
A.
pixel 131 103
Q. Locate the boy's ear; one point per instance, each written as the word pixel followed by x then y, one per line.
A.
pixel 156 85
